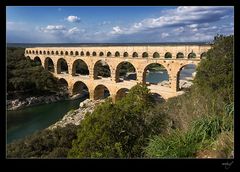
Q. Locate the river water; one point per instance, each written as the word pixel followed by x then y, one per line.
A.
pixel 21 123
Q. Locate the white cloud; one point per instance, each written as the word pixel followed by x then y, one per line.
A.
pixel 73 19
pixel 116 30
pixel 53 29
pixel 164 35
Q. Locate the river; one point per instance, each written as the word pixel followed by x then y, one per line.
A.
pixel 21 123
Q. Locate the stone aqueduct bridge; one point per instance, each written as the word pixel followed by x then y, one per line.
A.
pixel 172 57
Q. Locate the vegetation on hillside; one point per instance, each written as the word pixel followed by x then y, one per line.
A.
pixel 26 77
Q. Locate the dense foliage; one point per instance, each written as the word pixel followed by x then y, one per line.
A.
pixel 44 144
pixel 24 76
pixel 118 130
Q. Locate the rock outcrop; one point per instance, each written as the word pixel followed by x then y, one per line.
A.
pixel 76 116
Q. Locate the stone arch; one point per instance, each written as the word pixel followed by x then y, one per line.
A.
pixel 76 53
pixel 26 51
pixel 185 76
pixel 125 54
pixel 37 52
pixel 81 88
pixel 168 55
pixel 135 54
pixel 122 70
pixel 57 53
pixel 156 55
pixel 52 53
pixel 180 55
pixel 33 52
pixel 49 65
pixel 71 53
pixel 37 60
pixel 63 84
pixel 44 52
pixel 40 52
pixel 61 53
pixel 102 69
pixel 101 54
pixel 87 53
pixel 191 55
pixel 122 92
pixel 144 55
pixel 48 52
pixel 30 52
pixel 62 66
pixel 94 53
pixel 109 54
pixel 117 54
pixel 66 53
pixel 82 53
pixel 101 92
pixel 203 55
pixel 156 74
pixel 80 67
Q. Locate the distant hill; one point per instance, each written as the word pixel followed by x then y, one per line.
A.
pixel 24 45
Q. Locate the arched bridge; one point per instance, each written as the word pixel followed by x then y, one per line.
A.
pixel 172 57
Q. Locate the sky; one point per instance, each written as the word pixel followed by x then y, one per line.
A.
pixel 139 24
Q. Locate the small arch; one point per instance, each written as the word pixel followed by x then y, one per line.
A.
pixel 52 53
pixel 71 53
pixel 26 51
pixel 101 54
pixel 109 54
pixel 191 55
pixel 203 55
pixel 94 53
pixel 44 52
pixel 80 88
pixel 57 53
pixel 76 53
pixel 61 53
pixel 82 53
pixel 101 92
pixel 168 55
pixel 48 52
pixel 40 52
pixel 180 55
pixel 101 70
pixel 66 53
pixel 48 64
pixel 125 71
pixel 156 55
pixel 79 68
pixel 33 52
pixel 87 53
pixel 121 93
pixel 145 55
pixel 62 66
pixel 117 54
pixel 37 60
pixel 37 52
pixel 135 54
pixel 125 54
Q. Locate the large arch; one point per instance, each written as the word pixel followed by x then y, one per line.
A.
pixel 121 93
pixel 49 65
pixel 37 60
pixel 125 71
pixel 156 74
pixel 81 88
pixel 185 76
pixel 62 66
pixel 101 92
pixel 79 68
pixel 101 69
pixel 63 84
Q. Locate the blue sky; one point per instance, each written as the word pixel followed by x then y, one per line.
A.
pixel 57 24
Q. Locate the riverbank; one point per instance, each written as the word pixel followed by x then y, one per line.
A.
pixel 76 116
pixel 20 103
